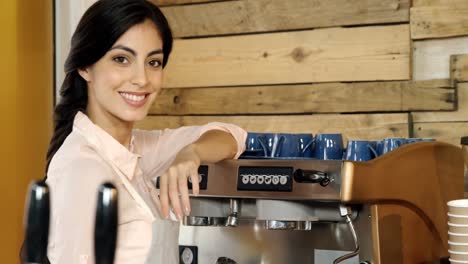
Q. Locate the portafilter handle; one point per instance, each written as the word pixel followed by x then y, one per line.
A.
pixel 105 232
pixel 37 223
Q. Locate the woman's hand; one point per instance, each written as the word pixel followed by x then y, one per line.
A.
pixel 211 147
pixel 174 182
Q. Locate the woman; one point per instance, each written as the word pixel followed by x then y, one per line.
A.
pixel 113 75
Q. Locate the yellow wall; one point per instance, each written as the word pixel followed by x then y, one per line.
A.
pixel 26 92
pixel 9 184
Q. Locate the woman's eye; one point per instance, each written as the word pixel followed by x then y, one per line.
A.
pixel 120 60
pixel 155 63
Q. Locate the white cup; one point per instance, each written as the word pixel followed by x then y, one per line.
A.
pixel 457 228
pixel 458 219
pixel 458 238
pixel 459 247
pixel 458 255
pixel 457 261
pixel 458 207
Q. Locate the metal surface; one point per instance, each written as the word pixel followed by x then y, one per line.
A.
pixel 251 241
pixel 288 211
pixel 271 226
pixel 284 210
pixel 356 242
pixel 223 178
pixel 232 219
pixel 262 209
pixel 281 225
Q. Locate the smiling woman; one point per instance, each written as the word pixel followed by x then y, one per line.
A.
pixel 114 73
pixel 124 83
pixel 96 49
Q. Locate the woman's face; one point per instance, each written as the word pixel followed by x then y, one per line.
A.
pixel 124 83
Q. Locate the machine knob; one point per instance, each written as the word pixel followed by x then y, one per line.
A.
pixel 311 176
pixel 187 256
pixel 37 223
pixel 225 260
pixel 105 232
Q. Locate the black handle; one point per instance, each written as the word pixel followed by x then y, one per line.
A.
pixel 225 260
pixel 311 176
pixel 105 232
pixel 464 140
pixel 37 223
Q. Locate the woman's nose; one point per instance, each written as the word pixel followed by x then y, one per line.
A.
pixel 139 76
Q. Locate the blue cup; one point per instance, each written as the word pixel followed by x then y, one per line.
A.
pixel 254 146
pixel 379 147
pixel 285 145
pixel 413 140
pixel 360 150
pixel 292 145
pixel 305 144
pixel 270 141
pixel 390 144
pixel 373 144
pixel 328 147
pixel 428 139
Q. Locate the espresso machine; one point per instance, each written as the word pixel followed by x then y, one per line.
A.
pixel 388 210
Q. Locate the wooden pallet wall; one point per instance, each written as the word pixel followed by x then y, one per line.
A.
pixel 336 97
pixel 254 16
pixel 369 69
pixel 448 126
pixel 439 29
pixel 309 56
pixel 439 19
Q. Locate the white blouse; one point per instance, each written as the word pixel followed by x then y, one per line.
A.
pixel 90 156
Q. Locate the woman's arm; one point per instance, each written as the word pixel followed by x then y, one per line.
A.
pixel 212 146
pixel 159 148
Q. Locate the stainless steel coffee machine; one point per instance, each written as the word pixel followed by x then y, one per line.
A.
pixel 388 210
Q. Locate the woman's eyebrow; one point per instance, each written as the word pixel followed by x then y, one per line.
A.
pixel 125 48
pixel 158 51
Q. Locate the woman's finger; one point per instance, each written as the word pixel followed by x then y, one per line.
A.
pixel 183 189
pixel 174 192
pixel 194 177
pixel 163 195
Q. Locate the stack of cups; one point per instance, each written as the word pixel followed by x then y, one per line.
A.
pixel 458 230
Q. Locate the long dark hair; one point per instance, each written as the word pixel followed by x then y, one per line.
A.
pixel 99 28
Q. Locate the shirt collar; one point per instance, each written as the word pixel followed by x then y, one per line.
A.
pixel 124 159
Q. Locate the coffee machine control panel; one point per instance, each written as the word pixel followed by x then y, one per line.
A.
pixel 252 178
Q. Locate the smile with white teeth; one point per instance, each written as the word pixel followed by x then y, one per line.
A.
pixel 132 97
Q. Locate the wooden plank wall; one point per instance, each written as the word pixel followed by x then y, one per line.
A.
pixel 369 69
pixel 439 29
